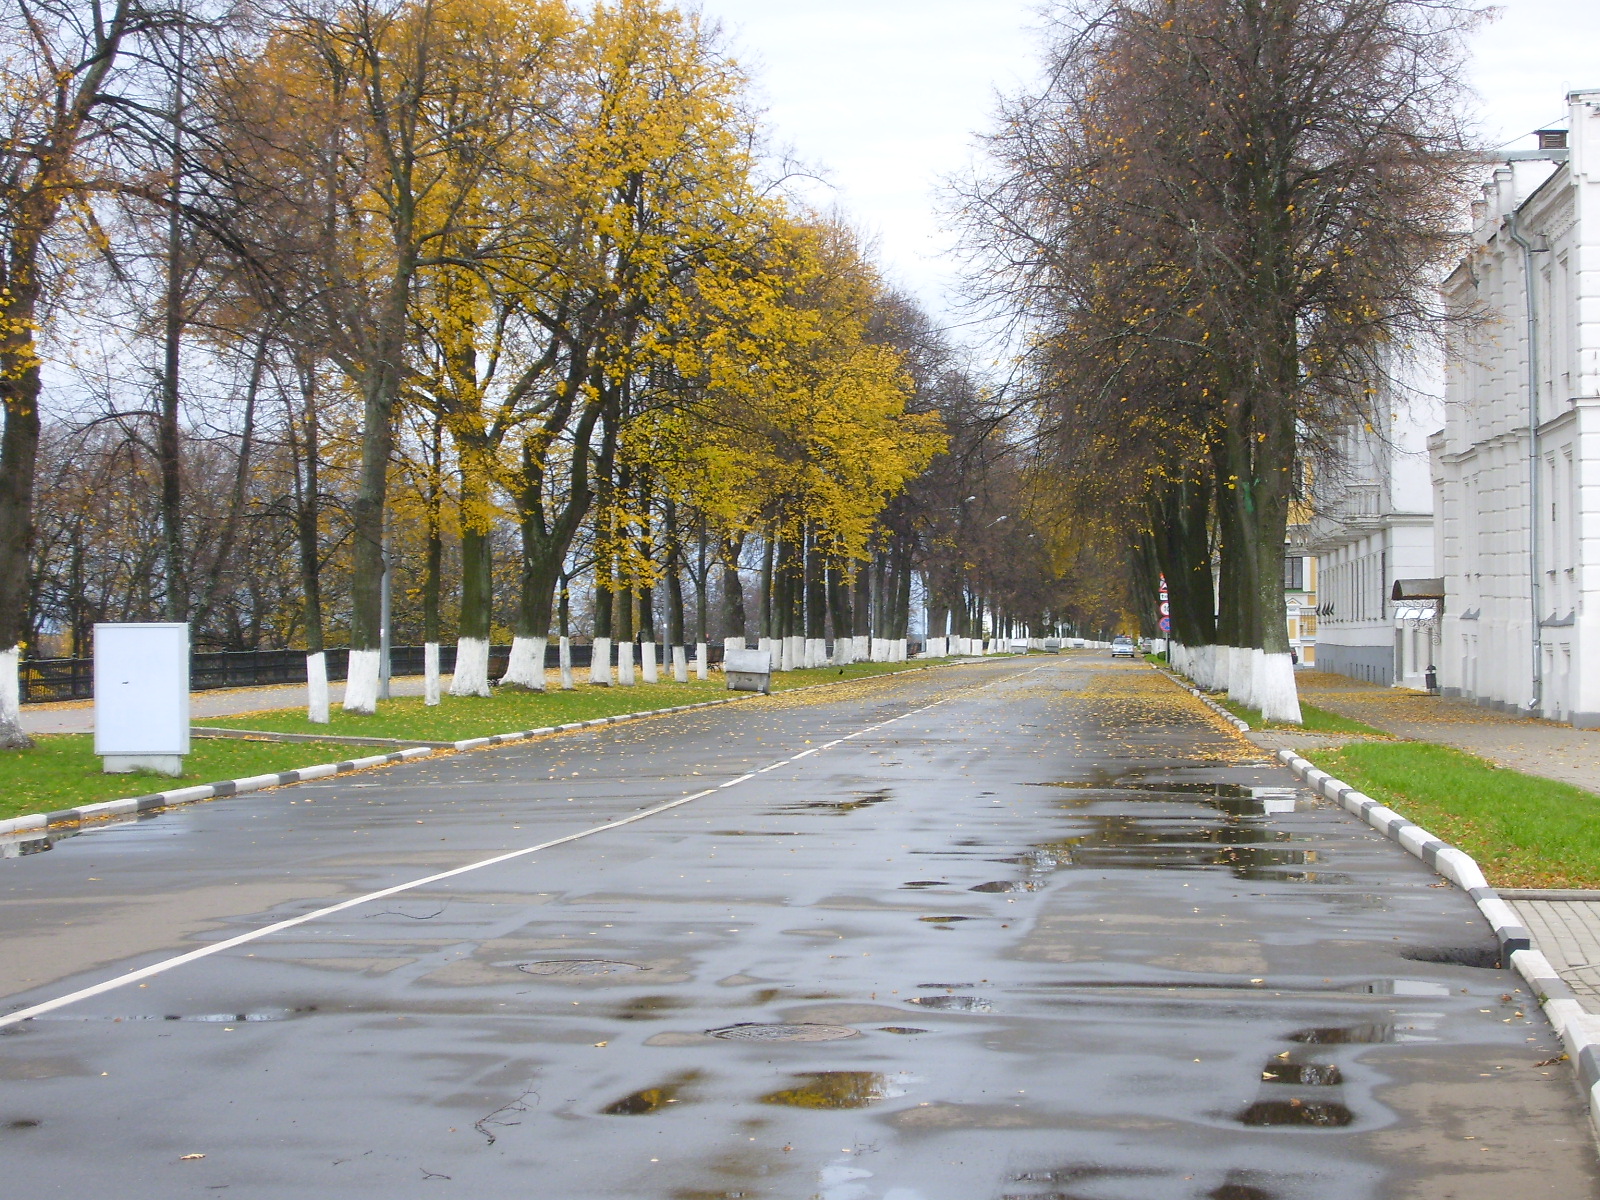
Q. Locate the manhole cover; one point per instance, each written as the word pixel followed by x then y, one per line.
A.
pixel 579 966
pixel 799 1032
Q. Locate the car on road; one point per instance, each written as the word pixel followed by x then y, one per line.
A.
pixel 1122 647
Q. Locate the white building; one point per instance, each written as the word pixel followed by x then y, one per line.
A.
pixel 1517 464
pixel 1372 524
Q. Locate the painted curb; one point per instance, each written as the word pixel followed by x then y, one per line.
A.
pixel 1579 1031
pixel 42 822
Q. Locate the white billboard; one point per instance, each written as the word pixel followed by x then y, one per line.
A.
pixel 141 689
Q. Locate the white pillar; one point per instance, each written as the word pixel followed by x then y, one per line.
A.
pixel 430 674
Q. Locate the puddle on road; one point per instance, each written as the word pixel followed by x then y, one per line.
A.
pixel 647 1008
pixel 579 967
pixel 1294 1111
pixel 838 1089
pixel 1008 885
pixel 1302 1074
pixel 902 1029
pixel 1344 1035
pixel 244 1018
pixel 653 1099
pixel 751 1031
pixel 945 920
pixel 857 801
pixel 953 1003
pixel 925 883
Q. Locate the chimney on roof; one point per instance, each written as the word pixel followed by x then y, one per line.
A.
pixel 1551 139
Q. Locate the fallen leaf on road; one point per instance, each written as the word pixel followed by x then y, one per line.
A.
pixel 189 1157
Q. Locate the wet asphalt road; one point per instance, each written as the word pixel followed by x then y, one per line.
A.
pixel 1058 935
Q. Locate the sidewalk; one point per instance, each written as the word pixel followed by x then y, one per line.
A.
pixel 1536 747
pixel 77 716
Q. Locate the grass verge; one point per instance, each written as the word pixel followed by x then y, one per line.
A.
pixel 1524 831
pixel 63 771
pixel 458 717
pixel 1313 720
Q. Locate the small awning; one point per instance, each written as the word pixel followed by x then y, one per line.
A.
pixel 1418 589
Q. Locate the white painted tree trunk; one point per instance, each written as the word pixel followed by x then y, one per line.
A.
pixel 861 648
pixel 901 649
pixel 732 643
pixel 430 673
pixel 817 652
pixel 680 663
pixel 1239 676
pixel 797 652
pixel 11 735
pixel 625 675
pixel 316 688
pixel 600 662
pixel 564 652
pixel 525 667
pixel 647 659
pixel 361 682
pixel 936 648
pixel 471 676
pixel 1274 688
pixel 702 661
pixel 841 651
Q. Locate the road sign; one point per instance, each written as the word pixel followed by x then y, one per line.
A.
pixel 1164 625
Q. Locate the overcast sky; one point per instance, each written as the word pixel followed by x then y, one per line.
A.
pixel 885 96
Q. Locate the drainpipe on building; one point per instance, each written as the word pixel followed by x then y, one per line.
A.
pixel 1514 229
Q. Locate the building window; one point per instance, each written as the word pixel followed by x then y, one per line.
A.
pixel 1294 574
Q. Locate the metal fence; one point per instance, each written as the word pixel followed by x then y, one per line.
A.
pixel 45 679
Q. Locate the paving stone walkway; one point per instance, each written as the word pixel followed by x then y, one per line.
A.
pixel 1567 932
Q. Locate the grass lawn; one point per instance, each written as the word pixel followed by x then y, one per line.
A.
pixel 1315 720
pixel 1524 831
pixel 62 770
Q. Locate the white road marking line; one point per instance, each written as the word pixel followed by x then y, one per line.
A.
pixel 119 981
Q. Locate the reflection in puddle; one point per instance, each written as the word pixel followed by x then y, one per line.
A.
pixel 838 1089
pixel 925 883
pixel 648 1008
pixel 839 807
pixel 945 920
pixel 1319 1113
pixel 907 1029
pixel 1486 957
pixel 1007 885
pixel 652 1099
pixel 1344 1035
pixel 953 1003
pixel 1303 1074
